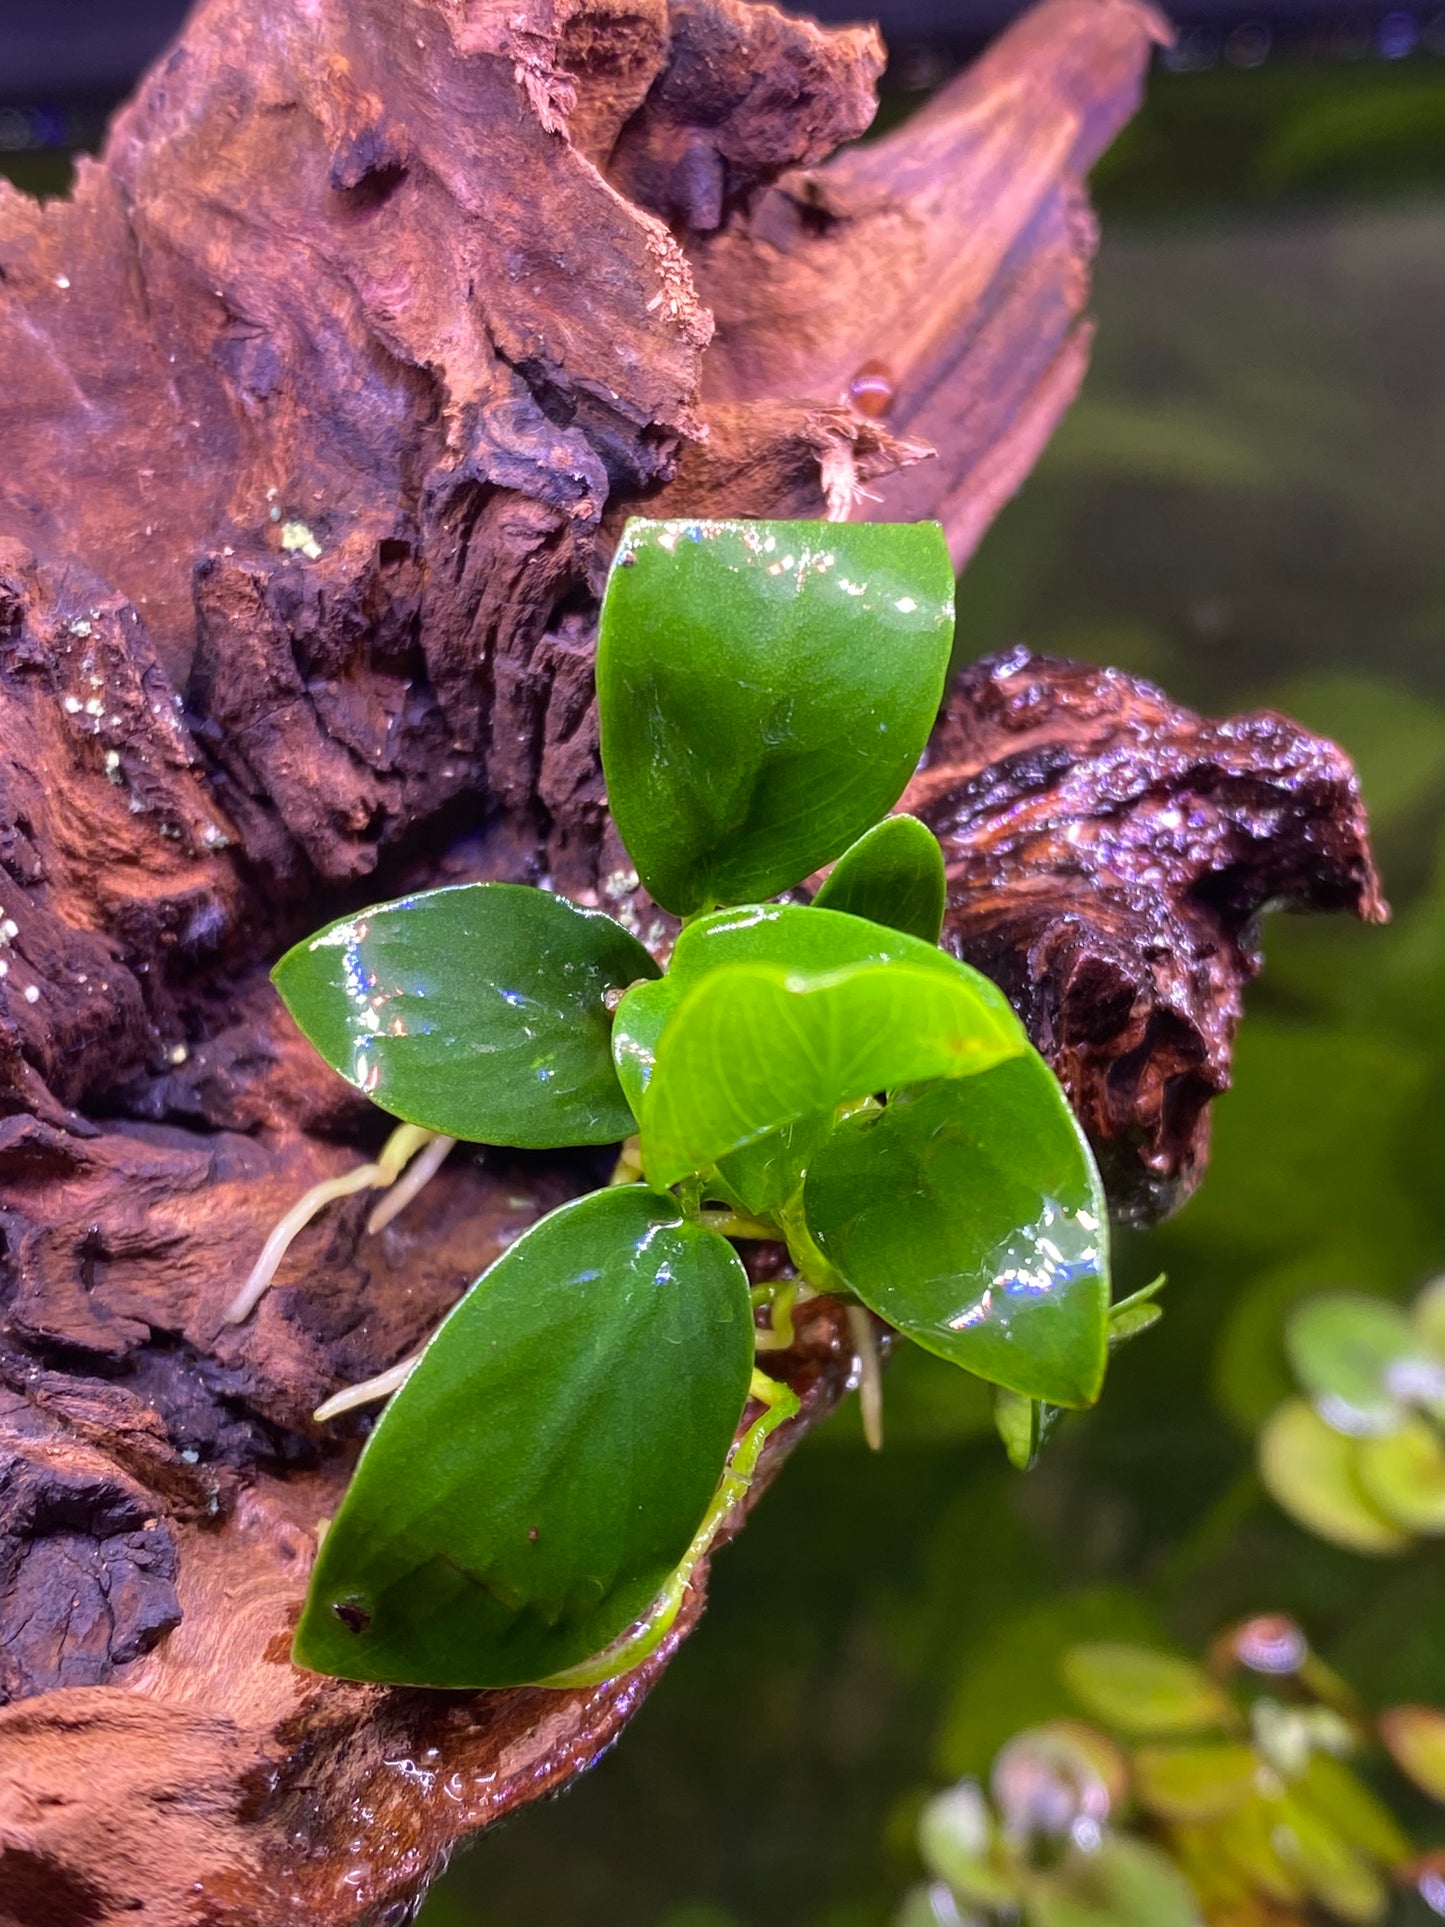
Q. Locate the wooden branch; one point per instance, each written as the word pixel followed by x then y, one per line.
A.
pixel 324 394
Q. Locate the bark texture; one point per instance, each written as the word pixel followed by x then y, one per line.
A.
pixel 323 396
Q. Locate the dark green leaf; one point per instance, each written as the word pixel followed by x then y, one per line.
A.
pixel 764 691
pixel 531 1488
pixel 477 1011
pixel 893 876
pixel 752 1047
pixel 970 1216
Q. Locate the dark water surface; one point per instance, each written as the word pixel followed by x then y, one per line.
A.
pixel 1247 506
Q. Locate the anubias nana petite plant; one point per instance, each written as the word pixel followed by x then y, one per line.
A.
pixel 534 1497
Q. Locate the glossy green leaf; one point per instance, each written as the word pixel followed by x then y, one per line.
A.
pixel 477 1011
pixel 751 1047
pixel 798 936
pixel 1403 1474
pixel 1415 1737
pixel 1122 1883
pixel 1359 1359
pixel 760 1179
pixel 893 876
pixel 1139 1690
pixel 970 1216
pixel 1195 1783
pixel 531 1488
pixel 1310 1469
pixel 764 691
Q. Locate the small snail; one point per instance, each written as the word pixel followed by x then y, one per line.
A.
pixel 871 389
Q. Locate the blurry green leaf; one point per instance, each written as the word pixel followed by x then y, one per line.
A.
pixel 1200 1782
pixel 477 1011
pixel 752 1047
pixel 1310 1470
pixel 1248 1839
pixel 764 691
pixel 1328 1866
pixel 933 1906
pixel 1415 1737
pixel 893 876
pixel 1403 1474
pixel 970 1216
pixel 1251 1375
pixel 531 1488
pixel 1139 1690
pixel 1122 1883
pixel 1358 1359
pixel 1427 1314
pixel 956 1841
pixel 1012 1675
pixel 1344 1803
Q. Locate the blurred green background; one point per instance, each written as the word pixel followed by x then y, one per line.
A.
pixel 1246 505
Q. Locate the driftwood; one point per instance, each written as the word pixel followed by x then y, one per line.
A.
pixel 323 396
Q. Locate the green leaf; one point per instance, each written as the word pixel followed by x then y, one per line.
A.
pixel 1403 1473
pixel 798 936
pixel 1331 1869
pixel 1195 1783
pixel 752 1047
pixel 1136 1313
pixel 893 876
pixel 1415 1739
pixel 1359 1359
pixel 477 1011
pixel 531 1488
pixel 764 691
pixel 956 1842
pixel 1310 1469
pixel 1343 1802
pixel 1139 1690
pixel 1019 1423
pixel 763 1177
pixel 970 1216
pixel 1122 1883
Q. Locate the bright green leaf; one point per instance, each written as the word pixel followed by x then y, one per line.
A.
pixel 1415 1737
pixel 752 1047
pixel 764 691
pixel 1136 1313
pixel 1310 1470
pixel 797 936
pixel 970 1216
pixel 1018 1421
pixel 893 876
pixel 1195 1783
pixel 1139 1690
pixel 1359 1359
pixel 1331 1870
pixel 477 1011
pixel 1343 1802
pixel 1403 1473
pixel 532 1487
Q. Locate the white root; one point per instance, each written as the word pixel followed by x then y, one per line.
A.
pixel 368 1391
pixel 398 1151
pixel 870 1375
pixel 428 1162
